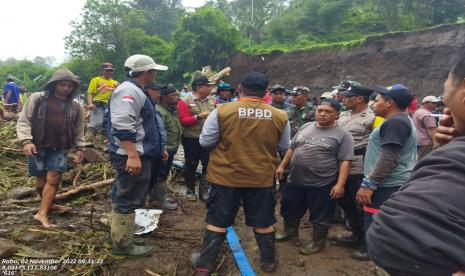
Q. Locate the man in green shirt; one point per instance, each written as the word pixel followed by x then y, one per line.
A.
pixel 166 107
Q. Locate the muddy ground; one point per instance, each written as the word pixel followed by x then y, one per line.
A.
pixel 81 236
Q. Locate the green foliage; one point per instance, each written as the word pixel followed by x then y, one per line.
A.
pixel 160 16
pixel 306 23
pixel 109 32
pixel 203 38
pixel 30 74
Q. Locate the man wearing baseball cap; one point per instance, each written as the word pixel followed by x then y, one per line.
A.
pixel 193 110
pixel 134 145
pixel 391 150
pixel 278 97
pixel 303 111
pixel 244 137
pixel 425 125
pixel 420 230
pixel 98 93
pixel 340 88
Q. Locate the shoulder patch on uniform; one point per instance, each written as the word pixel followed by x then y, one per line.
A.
pixel 128 99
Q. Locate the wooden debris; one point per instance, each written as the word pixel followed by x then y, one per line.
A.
pixel 79 189
pixel 7 248
pixel 22 192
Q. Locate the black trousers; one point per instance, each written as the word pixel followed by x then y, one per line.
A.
pixel 129 192
pixel 296 199
pixel 193 154
pixel 379 197
pixel 166 166
pixel 348 203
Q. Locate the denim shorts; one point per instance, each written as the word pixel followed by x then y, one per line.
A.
pixel 47 160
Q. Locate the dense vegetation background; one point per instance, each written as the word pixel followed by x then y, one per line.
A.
pixel 186 40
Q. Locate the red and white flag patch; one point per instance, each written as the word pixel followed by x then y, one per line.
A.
pixel 128 99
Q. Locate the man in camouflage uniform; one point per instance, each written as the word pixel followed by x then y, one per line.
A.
pixel 359 120
pixel 303 111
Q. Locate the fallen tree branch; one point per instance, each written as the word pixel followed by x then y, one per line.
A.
pixel 64 195
pixel 76 177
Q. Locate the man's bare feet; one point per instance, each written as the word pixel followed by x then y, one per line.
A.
pixel 44 221
pixel 59 209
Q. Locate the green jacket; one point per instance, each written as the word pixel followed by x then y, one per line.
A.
pixel 172 125
pixel 298 116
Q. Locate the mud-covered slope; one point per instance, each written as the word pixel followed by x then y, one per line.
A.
pixel 420 60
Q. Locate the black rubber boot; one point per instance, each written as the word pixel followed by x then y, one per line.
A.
pixel 158 193
pixel 205 260
pixel 266 244
pixel 318 242
pixel 351 240
pixel 362 253
pixel 291 231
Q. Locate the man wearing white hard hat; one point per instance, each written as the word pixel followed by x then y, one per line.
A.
pixel 135 144
pixel 425 124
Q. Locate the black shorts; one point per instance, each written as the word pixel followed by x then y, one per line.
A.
pixel 223 204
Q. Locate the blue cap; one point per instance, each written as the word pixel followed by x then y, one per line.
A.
pixel 224 86
pixel 401 95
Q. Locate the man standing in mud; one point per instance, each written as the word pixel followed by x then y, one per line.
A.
pixel 244 137
pixel 391 150
pixel 135 146
pixel 193 110
pixel 50 124
pixel 420 229
pixel 359 120
pixel 319 159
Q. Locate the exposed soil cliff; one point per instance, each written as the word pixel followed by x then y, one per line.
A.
pixel 419 60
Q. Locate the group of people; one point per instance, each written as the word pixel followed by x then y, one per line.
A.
pixel 356 148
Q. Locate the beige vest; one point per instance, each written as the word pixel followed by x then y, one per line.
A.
pixel 197 106
pixel 245 156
